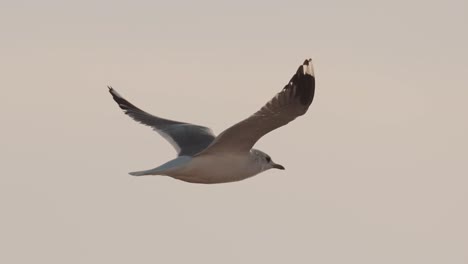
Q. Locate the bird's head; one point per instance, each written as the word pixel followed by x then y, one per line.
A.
pixel 265 160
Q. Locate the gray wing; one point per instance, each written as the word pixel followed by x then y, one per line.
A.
pixel 187 139
pixel 291 102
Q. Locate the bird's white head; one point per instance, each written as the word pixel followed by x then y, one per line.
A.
pixel 265 160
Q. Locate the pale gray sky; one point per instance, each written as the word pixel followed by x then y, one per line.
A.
pixel 376 172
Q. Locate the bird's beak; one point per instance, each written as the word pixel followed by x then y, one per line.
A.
pixel 277 166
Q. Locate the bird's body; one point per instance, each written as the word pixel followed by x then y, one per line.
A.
pixel 209 168
pixel 204 158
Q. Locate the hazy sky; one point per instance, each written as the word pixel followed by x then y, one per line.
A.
pixel 376 172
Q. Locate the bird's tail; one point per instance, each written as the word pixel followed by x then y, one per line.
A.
pixel 165 168
pixel 155 171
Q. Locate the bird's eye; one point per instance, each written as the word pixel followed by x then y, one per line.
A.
pixel 268 159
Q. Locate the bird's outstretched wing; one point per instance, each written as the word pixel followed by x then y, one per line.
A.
pixel 291 102
pixel 187 139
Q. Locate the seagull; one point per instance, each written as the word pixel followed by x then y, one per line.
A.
pixel 205 158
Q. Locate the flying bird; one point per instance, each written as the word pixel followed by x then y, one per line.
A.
pixel 206 158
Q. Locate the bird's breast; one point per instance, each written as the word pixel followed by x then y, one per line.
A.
pixel 217 168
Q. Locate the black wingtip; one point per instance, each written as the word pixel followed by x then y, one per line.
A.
pixel 304 80
pixel 306 68
pixel 122 102
pixel 114 93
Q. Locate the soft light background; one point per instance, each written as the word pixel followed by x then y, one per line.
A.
pixel 376 172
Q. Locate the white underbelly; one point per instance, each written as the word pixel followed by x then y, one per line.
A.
pixel 216 169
